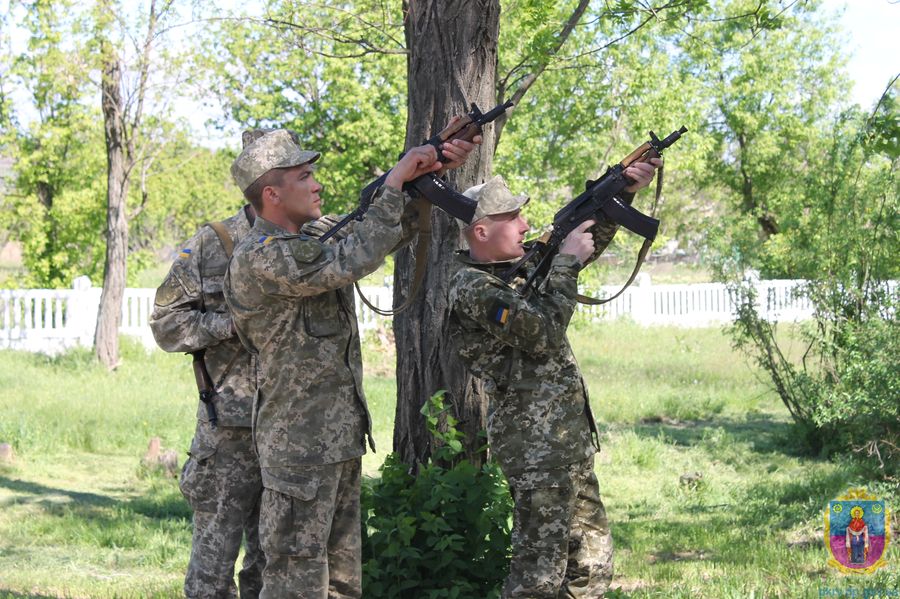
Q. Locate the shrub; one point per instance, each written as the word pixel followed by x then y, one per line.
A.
pixel 443 532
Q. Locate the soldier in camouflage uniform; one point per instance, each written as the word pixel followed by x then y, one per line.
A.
pixel 540 426
pixel 293 306
pixel 221 479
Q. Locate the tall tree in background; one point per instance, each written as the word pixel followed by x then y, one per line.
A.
pixel 129 148
pixel 56 149
pixel 775 89
pixel 54 134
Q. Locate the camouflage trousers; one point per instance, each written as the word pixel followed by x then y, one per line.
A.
pixel 222 482
pixel 310 531
pixel 561 543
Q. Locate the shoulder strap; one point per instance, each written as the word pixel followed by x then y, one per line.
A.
pixel 228 245
pixel 224 237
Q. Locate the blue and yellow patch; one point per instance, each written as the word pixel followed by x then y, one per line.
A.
pixel 499 313
pixel 266 239
pixel 185 253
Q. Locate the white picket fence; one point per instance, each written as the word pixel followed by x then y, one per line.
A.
pixel 51 320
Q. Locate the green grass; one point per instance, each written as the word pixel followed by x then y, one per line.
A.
pixel 79 517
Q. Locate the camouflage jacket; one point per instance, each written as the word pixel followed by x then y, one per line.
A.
pixel 293 305
pixel 190 314
pixel 539 416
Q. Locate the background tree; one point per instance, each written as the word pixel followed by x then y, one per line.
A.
pixel 59 147
pixel 56 152
pixel 841 389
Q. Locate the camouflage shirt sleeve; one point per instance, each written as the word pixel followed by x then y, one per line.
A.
pixel 409 223
pixel 534 324
pixel 320 226
pixel 301 266
pixel 605 229
pixel 177 322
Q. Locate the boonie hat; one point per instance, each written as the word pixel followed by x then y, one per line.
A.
pixel 494 197
pixel 272 150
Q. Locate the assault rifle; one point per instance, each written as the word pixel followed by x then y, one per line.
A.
pixel 430 186
pixel 600 196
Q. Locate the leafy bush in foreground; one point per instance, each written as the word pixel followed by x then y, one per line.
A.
pixel 443 533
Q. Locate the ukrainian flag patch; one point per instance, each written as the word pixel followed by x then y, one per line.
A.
pixel 499 314
pixel 185 253
pixel 266 239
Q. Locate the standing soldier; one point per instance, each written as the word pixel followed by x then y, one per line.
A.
pixel 540 426
pixel 293 306
pixel 221 479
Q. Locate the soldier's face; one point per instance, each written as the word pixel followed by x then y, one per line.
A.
pixel 504 235
pixel 298 194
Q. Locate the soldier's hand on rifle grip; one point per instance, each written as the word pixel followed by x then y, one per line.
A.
pixel 642 173
pixel 418 161
pixel 579 243
pixel 455 151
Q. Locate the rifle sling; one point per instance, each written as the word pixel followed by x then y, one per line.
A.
pixel 228 245
pixel 422 245
pixel 642 254
pixel 224 237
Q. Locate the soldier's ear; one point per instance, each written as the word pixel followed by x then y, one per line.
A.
pixel 480 232
pixel 270 196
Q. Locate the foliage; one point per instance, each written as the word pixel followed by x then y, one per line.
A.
pixel 843 390
pixel 344 100
pixel 443 532
pixel 57 209
pixel 772 93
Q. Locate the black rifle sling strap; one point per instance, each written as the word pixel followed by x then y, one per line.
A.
pixel 228 245
pixel 424 208
pixel 642 255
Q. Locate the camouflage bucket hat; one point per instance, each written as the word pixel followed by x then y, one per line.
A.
pixel 273 150
pixel 494 197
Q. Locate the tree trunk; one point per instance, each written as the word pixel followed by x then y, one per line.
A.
pixel 452 62
pixel 109 316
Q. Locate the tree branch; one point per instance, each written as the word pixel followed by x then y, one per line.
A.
pixel 529 79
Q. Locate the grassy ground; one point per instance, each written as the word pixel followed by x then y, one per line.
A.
pixel 79 517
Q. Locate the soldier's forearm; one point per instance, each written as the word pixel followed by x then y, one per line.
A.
pixel 190 331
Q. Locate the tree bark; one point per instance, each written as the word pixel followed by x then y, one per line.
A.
pixel 109 316
pixel 452 62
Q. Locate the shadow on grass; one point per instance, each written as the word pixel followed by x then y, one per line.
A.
pixel 754 523
pixel 764 434
pixel 44 495
pixel 156 503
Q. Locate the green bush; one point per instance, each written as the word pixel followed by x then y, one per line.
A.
pixel 842 393
pixel 441 533
pixel 858 400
